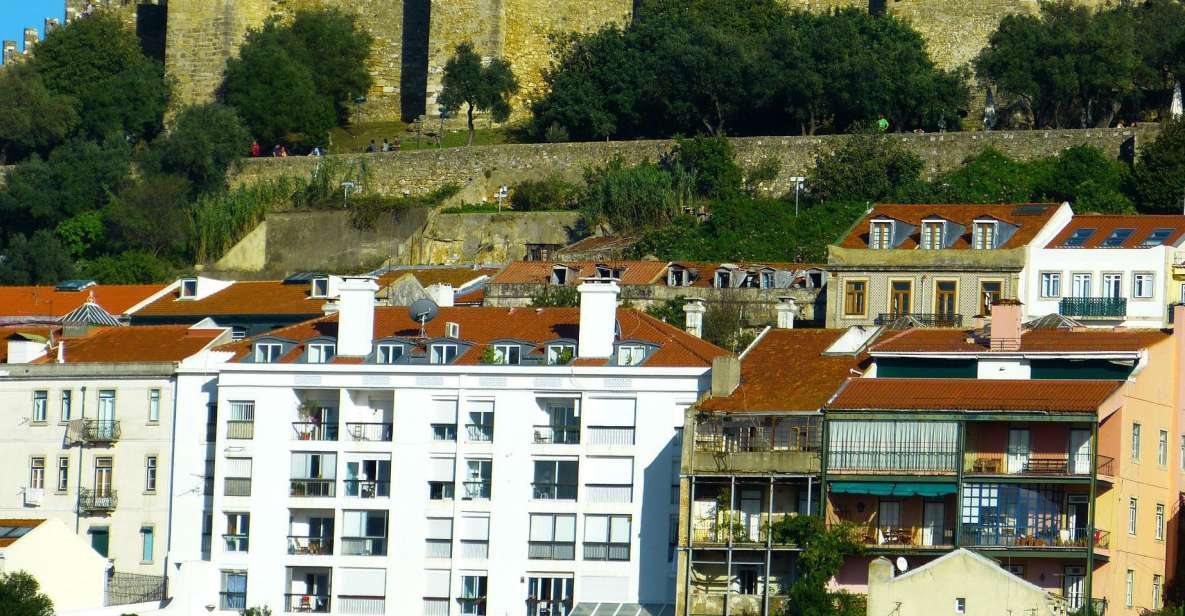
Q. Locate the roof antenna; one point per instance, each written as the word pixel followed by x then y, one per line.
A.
pixel 421 311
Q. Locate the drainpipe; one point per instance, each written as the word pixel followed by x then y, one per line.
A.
pixel 172 494
pixel 769 542
pixel 962 428
pixel 732 497
pixel 78 482
pixel 1094 474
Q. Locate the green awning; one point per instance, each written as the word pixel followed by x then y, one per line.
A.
pixel 885 488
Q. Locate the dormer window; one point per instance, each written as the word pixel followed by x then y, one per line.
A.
pixel 189 288
pixel 985 235
pixel 507 354
pixel 604 271
pixel 320 287
pixel 321 352
pixel 1118 237
pixel 389 353
pixel 560 354
pixel 442 353
pixel 767 279
pixel 677 277
pixel 723 279
pixel 932 235
pixel 1078 237
pixel 630 354
pixel 268 352
pixel 1157 237
pixel 880 237
pixel 751 281
pixel 559 275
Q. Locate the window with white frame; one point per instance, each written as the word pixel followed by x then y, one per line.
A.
pixel 1132 515
pixel 475 536
pixel 1159 527
pixel 320 287
pixel 480 425
pixel 1051 284
pixel 147 543
pixel 321 352
pixel 40 405
pixel 442 353
pixel 238 332
pixel 507 354
pixel 1129 586
pixel 1081 285
pixel 233 592
pixel 238 532
pixel 723 279
pixel 1135 442
pixel 985 235
pixel 153 405
pixel 1157 583
pixel 560 354
pixel 150 473
pixel 268 352
pixel 1143 285
pixel 389 353
pixel 67 404
pixel 1162 449
pixel 438 538
pixel 553 536
pixel 630 354
pixel 189 288
pixel 607 537
pixel 880 236
pixel 473 595
pixel 63 473
pixel 549 595
pixel 932 238
pixel 37 473
pixel 1113 285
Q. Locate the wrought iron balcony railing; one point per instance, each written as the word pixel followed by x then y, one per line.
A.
pixel 303 544
pixel 557 435
pixel 1093 307
pixel 902 320
pixel 97 500
pixel 360 431
pixel 992 535
pixel 300 602
pixel 100 430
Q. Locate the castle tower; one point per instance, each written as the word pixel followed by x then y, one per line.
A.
pixel 201 36
pixel 10 52
pixel 30 39
pixel 51 24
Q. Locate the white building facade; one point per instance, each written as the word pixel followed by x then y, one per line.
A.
pixel 423 481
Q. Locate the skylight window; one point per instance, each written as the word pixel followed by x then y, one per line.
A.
pixel 1118 237
pixel 1157 237
pixel 1079 237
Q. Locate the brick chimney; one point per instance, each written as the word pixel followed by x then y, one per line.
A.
pixel 1004 329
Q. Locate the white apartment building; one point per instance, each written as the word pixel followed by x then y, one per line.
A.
pixel 487 461
pixel 1108 270
pixel 87 426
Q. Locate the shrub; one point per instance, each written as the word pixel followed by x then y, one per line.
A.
pixel 863 168
pixel 556 296
pixel 549 193
pixel 627 198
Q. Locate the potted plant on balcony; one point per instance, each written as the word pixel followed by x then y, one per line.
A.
pixel 308 414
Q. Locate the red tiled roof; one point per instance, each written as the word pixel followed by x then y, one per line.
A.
pixel 1077 396
pixel 483 325
pixel 786 371
pixel 19 523
pixel 1028 224
pixel 600 242
pixel 1104 225
pixel 539 272
pixel 244 297
pixel 141 343
pixel 455 276
pixel 927 340
pixel 33 301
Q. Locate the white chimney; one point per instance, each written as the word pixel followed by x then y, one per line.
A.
pixel 598 316
pixel 440 293
pixel 787 310
pixel 355 316
pixel 693 313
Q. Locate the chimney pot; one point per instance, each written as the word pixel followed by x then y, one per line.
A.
pixel 693 313
pixel 726 375
pixel 787 309
pixel 441 293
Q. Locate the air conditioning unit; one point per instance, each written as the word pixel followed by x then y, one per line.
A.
pixel 452 330
pixel 33 497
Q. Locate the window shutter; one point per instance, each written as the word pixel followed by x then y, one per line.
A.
pixel 609 471
pixel 444 411
pixel 596 528
pixel 361 582
pixel 441 469
pixel 619 531
pixel 611 412
pixel 440 528
pixel 238 467
pixel 475 528
pixel 436 583
pixel 542 527
pixel 565 528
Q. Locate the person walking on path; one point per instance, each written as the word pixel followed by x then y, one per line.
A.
pixel 370 149
pixel 254 149
pixel 882 124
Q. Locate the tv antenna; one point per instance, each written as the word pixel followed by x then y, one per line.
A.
pixel 421 311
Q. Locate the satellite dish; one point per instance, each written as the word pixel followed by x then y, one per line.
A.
pixel 421 311
pixel 902 565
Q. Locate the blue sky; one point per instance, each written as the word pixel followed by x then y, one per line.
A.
pixel 16 15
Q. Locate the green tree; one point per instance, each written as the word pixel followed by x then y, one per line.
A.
pixel 151 216
pixel 275 93
pixel 669 311
pixel 548 193
pixel 625 198
pixel 710 162
pixel 335 48
pixel 863 168
pixel 1084 176
pixel 131 267
pixel 479 87
pixel 1067 66
pixel 38 259
pixel 1159 27
pixel 564 296
pixel 988 177
pixel 32 119
pixel 203 143
pixel 1159 174
pixel 98 63
pixel 824 550
pixel 21 595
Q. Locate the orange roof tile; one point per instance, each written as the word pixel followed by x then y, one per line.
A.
pixel 539 272
pixel 786 371
pixel 599 242
pixel 937 340
pixel 1104 225
pixel 17 523
pixel 427 276
pixel 1028 224
pixel 140 343
pixel 484 325
pixel 45 301
pixel 244 297
pixel 1076 396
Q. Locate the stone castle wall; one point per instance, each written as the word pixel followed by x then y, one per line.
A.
pixel 414 38
pixel 480 170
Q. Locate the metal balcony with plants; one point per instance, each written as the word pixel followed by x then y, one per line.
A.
pixel 100 430
pixel 1093 307
pixel 91 500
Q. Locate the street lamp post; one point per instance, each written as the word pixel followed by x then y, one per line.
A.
pixel 798 180
pixel 503 192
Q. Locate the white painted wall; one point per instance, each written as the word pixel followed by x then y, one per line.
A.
pixel 72 574
pixel 1151 312
pixel 1003 368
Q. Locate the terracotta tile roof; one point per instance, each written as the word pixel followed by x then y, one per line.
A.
pixel 7 524
pixel 1104 225
pixel 140 343
pixel 1077 396
pixel 1029 224
pixel 539 272
pixel 45 301
pixel 427 276
pixel 785 371
pixel 483 325
pixel 243 297
pixel 707 271
pixel 937 340
pixel 602 242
